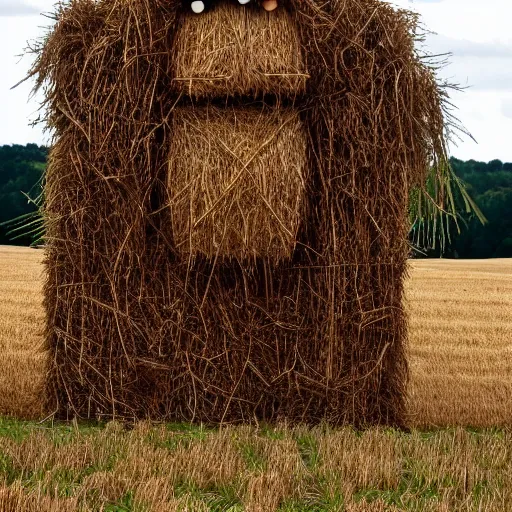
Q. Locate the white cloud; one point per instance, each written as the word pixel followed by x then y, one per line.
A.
pixel 16 110
pixel 480 66
pixel 474 20
pixel 13 8
pixel 438 43
pixel 491 74
pixel 482 114
pixel 506 107
pixel 477 34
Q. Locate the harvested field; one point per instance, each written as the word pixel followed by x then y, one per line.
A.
pixel 460 353
pixel 460 340
pixel 21 337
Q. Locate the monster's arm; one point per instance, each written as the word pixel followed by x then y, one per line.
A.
pixel 376 123
pixel 103 69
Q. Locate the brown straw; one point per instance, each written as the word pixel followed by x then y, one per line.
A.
pixel 260 277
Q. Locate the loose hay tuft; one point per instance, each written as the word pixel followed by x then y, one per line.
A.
pixel 237 180
pixel 138 329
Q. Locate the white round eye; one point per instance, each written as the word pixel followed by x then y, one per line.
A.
pixel 198 6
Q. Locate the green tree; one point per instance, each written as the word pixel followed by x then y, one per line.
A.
pixel 21 171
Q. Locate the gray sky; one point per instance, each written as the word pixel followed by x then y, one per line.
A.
pixel 477 32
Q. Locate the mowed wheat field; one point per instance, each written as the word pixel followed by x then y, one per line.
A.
pixel 458 455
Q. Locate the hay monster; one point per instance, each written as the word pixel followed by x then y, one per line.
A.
pixel 226 208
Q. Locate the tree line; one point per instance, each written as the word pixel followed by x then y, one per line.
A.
pixel 489 184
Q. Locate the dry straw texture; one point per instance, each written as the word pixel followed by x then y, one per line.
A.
pixel 230 195
pixel 460 343
pixel 459 352
pixel 233 51
pixel 22 358
pixel 136 329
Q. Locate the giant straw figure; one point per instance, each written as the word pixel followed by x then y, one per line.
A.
pixel 226 208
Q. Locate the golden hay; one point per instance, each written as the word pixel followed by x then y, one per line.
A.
pixel 237 179
pixel 137 329
pixel 233 51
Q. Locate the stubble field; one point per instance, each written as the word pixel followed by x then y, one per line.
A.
pixel 458 455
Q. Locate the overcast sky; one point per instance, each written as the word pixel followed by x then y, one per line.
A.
pixel 477 32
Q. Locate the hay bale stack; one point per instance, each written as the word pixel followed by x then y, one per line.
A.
pixel 237 179
pixel 238 52
pixel 304 323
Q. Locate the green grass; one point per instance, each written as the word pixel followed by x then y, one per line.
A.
pixel 462 469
